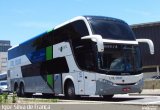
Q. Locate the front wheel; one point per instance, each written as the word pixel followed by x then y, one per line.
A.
pixel 70 91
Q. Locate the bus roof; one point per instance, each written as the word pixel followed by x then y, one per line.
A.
pixel 87 18
pixel 105 18
pixel 69 21
pixel 3 73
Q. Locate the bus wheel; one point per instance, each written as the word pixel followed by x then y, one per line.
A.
pixel 16 89
pixel 107 96
pixel 22 93
pixel 28 95
pixel 48 95
pixel 70 90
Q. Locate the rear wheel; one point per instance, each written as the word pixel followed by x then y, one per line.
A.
pixel 47 95
pixel 107 96
pixel 28 95
pixel 22 93
pixel 16 89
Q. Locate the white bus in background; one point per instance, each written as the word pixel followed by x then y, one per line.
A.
pixel 3 82
pixel 3 76
pixel 87 55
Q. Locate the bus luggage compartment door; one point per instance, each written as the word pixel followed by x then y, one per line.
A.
pixel 58 83
pixel 81 83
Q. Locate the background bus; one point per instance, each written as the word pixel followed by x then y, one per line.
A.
pixel 87 55
pixel 3 82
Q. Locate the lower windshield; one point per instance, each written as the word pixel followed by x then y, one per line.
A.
pixel 120 58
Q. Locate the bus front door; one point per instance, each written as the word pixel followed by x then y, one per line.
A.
pixel 81 83
pixel 90 83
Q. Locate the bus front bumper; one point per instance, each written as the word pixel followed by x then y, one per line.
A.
pixel 108 88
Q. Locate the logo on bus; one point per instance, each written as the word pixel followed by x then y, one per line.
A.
pixel 62 48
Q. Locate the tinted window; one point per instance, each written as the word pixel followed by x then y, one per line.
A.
pixel 3 83
pixel 112 29
pixel 3 77
pixel 60 34
pixel 121 58
pixel 54 66
pixel 57 65
pixel 29 46
pixel 79 30
pixel 82 49
pixel 73 31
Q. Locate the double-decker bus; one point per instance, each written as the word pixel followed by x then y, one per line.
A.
pixel 87 55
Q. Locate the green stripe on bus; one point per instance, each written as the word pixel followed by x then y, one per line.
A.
pixel 50 30
pixel 49 53
pixel 50 80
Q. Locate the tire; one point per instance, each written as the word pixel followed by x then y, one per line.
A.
pixel 47 95
pixel 17 90
pixel 70 91
pixel 22 93
pixel 28 95
pixel 108 96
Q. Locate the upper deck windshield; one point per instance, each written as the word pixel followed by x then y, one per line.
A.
pixel 111 29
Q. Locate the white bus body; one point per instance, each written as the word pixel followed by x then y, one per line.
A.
pixel 79 57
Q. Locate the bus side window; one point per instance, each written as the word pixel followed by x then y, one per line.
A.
pixel 82 48
pixel 89 61
pixel 55 66
pixel 60 35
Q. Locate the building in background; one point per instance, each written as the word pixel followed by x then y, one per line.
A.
pixel 4 46
pixel 151 63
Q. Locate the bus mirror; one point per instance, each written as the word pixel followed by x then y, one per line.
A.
pixel 149 42
pixel 98 39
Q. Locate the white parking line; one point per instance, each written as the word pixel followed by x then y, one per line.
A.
pixel 155 102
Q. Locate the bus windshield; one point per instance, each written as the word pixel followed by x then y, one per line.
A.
pixel 120 58
pixel 110 29
pixel 3 76
pixel 3 83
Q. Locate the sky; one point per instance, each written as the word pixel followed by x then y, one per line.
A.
pixel 21 20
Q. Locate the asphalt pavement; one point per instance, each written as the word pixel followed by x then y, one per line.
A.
pixel 147 100
pixel 153 92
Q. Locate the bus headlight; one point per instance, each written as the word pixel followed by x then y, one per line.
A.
pixel 140 81
pixel 109 82
pixel 106 82
pixel 3 88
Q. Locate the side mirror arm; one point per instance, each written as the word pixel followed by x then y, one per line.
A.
pixel 149 42
pixel 98 39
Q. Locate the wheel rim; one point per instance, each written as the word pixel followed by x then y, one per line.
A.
pixel 22 91
pixel 70 92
